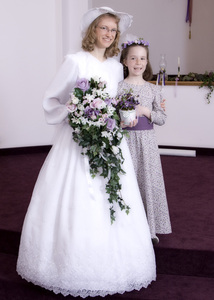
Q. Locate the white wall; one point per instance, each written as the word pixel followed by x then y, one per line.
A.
pixel 72 11
pixel 162 23
pixel 31 51
pixel 190 121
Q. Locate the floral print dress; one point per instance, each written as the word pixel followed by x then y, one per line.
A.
pixel 146 159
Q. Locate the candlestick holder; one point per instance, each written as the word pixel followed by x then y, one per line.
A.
pixel 162 75
pixel 162 66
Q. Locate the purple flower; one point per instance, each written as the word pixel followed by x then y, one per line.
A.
pixel 91 113
pixel 98 103
pixel 102 84
pixel 88 111
pixel 71 108
pixel 108 101
pixel 83 84
pixel 111 123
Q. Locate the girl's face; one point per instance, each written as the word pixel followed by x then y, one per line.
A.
pixel 106 31
pixel 136 60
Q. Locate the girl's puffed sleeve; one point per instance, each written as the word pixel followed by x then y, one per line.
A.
pixel 158 116
pixel 57 93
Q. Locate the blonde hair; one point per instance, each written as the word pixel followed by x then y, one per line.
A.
pixel 89 39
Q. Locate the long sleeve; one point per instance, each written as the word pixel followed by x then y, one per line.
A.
pixel 79 65
pixel 57 93
pixel 158 116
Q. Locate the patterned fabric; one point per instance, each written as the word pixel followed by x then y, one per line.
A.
pixel 146 159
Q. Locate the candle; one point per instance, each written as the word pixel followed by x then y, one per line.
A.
pixel 179 66
pixel 176 83
pixel 157 79
pixel 163 79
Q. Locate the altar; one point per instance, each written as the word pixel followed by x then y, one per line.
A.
pixel 190 119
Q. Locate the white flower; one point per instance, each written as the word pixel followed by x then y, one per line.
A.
pixel 94 92
pixel 89 97
pixel 102 94
pixel 115 149
pixel 74 99
pixel 119 135
pixel 103 145
pixel 105 95
pixel 83 120
pixel 104 133
pixel 107 135
pixel 99 93
pixel 96 78
pixel 110 110
pixel 80 107
pixel 84 151
pixel 77 130
pixel 75 120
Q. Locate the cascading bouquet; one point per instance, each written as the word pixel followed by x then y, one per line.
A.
pixel 96 128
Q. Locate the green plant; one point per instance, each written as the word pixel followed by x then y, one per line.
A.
pixel 208 79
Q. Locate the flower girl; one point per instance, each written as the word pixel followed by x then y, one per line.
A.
pixel 142 138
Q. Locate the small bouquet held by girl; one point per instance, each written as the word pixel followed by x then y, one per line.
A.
pixel 126 105
pixel 96 128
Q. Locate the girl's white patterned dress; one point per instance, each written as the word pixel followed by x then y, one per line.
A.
pixel 146 159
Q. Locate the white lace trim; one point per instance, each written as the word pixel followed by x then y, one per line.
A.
pixel 128 287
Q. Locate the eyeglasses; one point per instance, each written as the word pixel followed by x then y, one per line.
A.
pixel 106 29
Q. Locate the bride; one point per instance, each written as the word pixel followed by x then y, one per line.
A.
pixel 68 244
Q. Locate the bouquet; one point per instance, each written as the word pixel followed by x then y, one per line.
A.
pixel 127 101
pixel 96 128
pixel 126 105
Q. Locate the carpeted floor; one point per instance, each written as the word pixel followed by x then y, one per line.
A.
pixel 185 258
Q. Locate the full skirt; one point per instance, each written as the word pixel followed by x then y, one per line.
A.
pixel 147 164
pixel 68 244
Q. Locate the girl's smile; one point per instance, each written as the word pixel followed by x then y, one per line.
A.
pixel 136 61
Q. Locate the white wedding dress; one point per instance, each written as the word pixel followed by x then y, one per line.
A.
pixel 68 244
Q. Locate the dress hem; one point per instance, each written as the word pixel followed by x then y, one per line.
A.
pixel 83 293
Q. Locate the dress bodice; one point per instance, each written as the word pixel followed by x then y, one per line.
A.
pixel 75 66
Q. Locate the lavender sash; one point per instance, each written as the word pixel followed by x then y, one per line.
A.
pixel 143 124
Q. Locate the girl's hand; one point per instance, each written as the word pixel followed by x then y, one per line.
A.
pixel 131 124
pixel 163 106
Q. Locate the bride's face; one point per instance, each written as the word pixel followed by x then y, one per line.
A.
pixel 106 31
